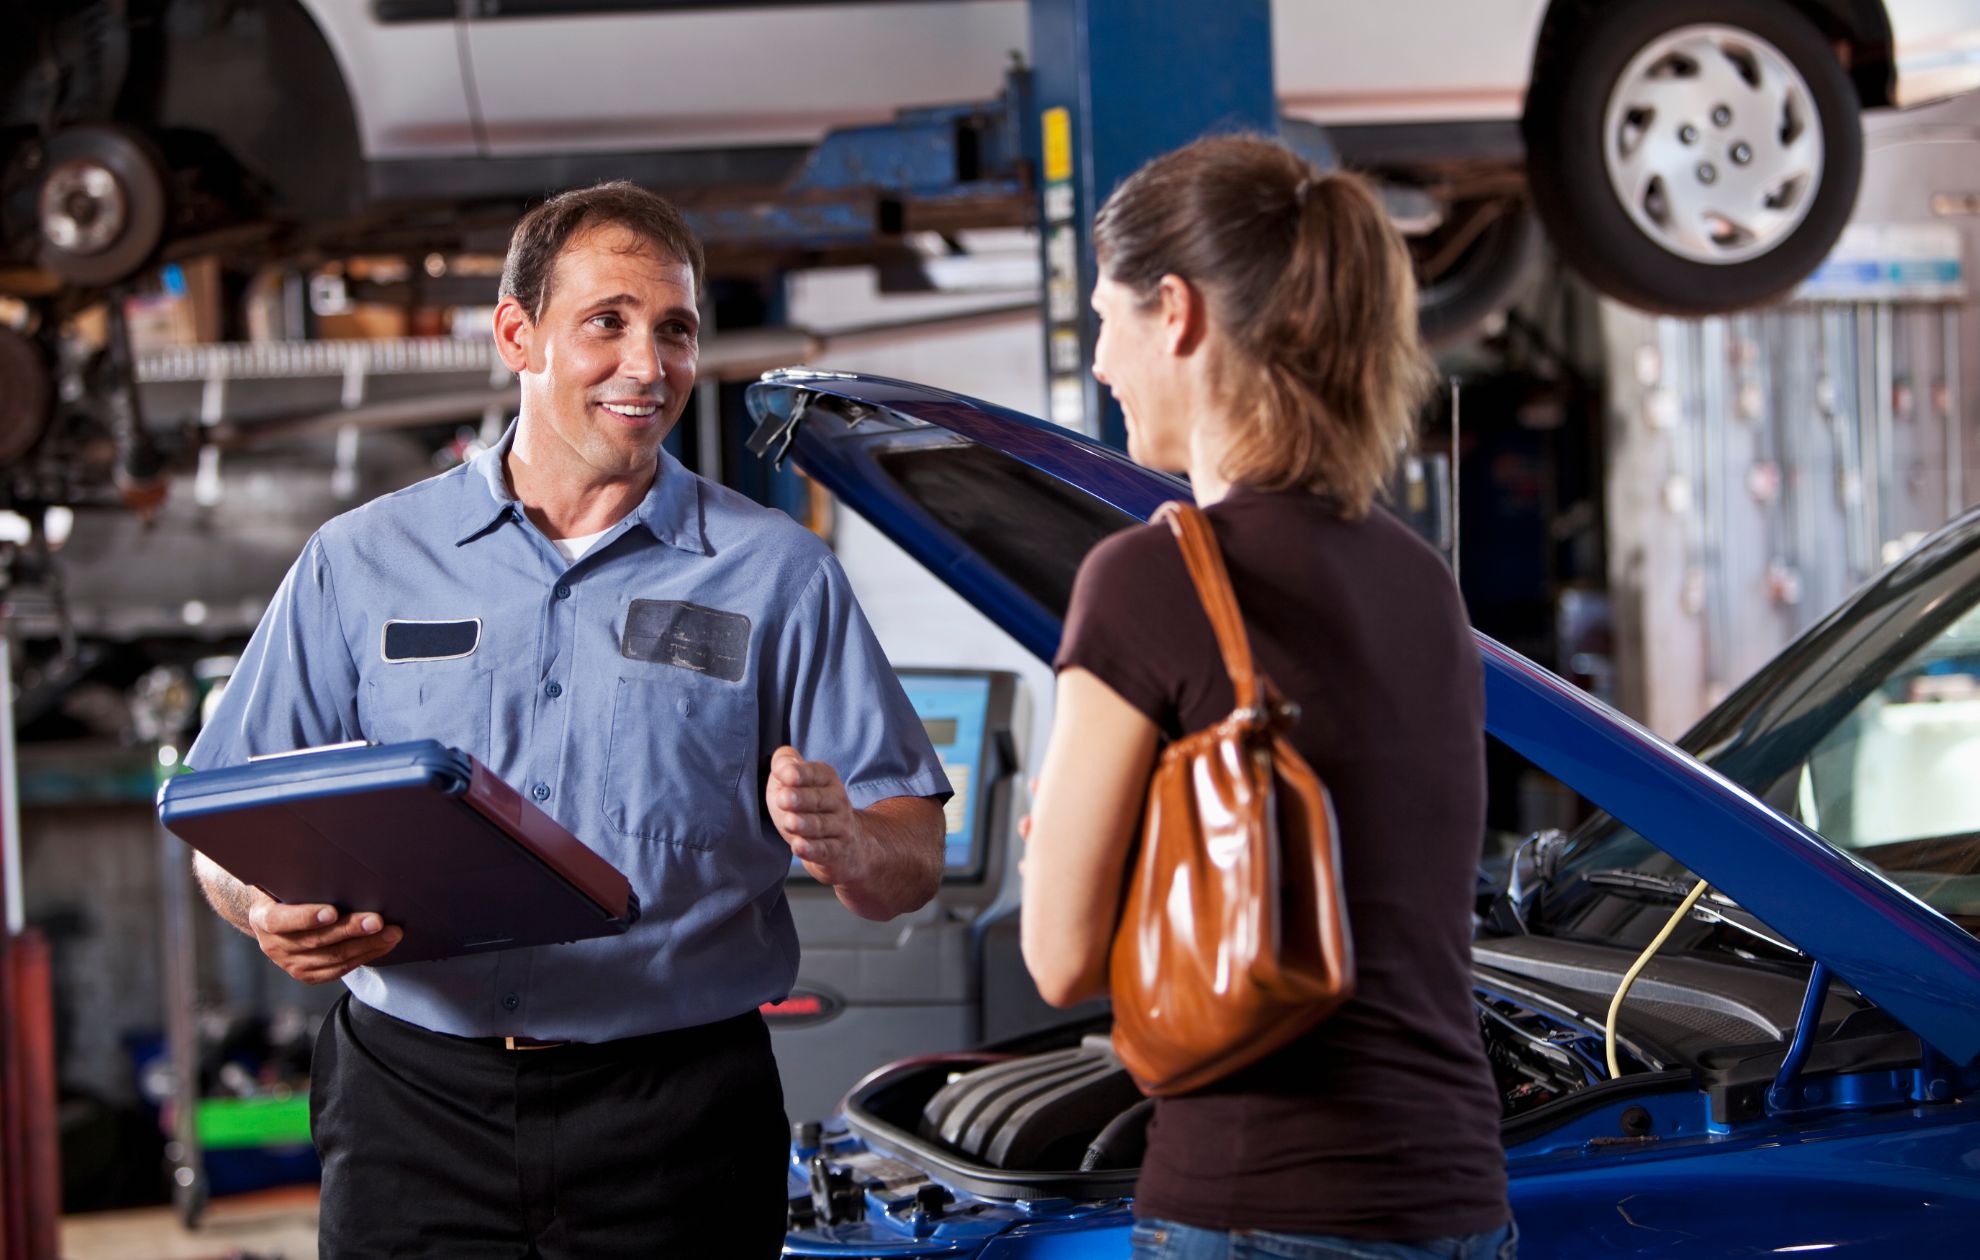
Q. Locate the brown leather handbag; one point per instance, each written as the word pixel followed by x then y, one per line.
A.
pixel 1234 937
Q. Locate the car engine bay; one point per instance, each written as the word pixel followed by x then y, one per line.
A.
pixel 1056 1114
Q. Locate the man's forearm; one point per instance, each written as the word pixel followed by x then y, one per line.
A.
pixel 902 837
pixel 229 897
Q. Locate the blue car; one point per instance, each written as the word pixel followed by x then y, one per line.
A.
pixel 1796 1065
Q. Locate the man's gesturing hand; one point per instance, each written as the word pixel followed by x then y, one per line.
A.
pixel 811 811
pixel 315 945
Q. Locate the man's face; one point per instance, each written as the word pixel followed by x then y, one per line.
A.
pixel 609 364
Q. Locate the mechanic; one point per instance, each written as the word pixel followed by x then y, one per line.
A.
pixel 683 680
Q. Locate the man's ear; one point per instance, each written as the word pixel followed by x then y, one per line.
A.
pixel 515 334
pixel 1184 316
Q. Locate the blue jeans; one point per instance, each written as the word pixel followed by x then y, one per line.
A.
pixel 1166 1240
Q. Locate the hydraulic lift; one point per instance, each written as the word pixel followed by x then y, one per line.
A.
pixel 1113 87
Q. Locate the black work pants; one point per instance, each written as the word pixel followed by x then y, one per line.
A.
pixel 669 1145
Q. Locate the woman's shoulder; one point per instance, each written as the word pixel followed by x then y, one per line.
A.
pixel 1133 568
pixel 1132 551
pixel 1121 625
pixel 1123 580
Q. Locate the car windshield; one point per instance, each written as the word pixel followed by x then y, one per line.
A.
pixel 1867 732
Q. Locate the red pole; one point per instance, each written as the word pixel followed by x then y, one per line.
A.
pixel 13 1191
pixel 30 1148
pixel 36 1164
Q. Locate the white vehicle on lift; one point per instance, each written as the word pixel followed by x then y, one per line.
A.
pixel 1686 155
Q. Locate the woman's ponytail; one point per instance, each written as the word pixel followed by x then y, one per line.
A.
pixel 1309 283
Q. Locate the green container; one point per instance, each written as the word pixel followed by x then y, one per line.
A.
pixel 243 1123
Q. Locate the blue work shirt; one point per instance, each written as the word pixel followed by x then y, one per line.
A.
pixel 636 695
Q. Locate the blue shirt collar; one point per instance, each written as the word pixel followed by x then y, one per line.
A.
pixel 671 510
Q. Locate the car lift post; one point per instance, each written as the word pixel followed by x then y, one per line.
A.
pixel 1117 82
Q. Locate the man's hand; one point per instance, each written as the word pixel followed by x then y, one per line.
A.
pixel 882 861
pixel 811 811
pixel 314 944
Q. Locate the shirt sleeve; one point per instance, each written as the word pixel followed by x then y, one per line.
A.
pixel 1120 621
pixel 296 684
pixel 843 703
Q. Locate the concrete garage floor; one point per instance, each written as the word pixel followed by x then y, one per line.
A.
pixel 266 1225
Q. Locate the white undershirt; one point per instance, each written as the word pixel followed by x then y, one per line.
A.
pixel 572 548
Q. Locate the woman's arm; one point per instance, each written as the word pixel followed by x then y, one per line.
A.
pixel 1081 828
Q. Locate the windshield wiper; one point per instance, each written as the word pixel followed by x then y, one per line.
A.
pixel 1713 907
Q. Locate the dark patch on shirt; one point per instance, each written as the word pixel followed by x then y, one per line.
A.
pixel 673 632
pixel 431 640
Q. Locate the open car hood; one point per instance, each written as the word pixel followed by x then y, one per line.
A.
pixel 1002 507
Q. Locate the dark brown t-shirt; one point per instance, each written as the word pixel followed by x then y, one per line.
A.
pixel 1383 1122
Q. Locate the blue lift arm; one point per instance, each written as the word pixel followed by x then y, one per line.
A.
pixel 1112 84
pixel 1116 82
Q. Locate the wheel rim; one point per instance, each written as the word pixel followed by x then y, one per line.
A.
pixel 1712 144
pixel 83 208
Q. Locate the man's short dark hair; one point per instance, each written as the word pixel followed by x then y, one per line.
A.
pixel 543 233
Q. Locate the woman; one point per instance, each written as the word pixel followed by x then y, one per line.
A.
pixel 1259 330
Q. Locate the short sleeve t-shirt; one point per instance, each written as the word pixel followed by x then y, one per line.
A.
pixel 1383 1122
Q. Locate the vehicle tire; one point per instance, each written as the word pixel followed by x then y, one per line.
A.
pixel 1487 275
pixel 101 204
pixel 1693 156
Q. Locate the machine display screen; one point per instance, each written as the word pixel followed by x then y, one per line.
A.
pixel 954 709
pixel 955 712
pixel 940 730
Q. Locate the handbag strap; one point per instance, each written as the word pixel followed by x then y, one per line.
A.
pixel 1213 587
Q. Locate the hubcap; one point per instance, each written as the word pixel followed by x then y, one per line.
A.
pixel 1712 144
pixel 83 210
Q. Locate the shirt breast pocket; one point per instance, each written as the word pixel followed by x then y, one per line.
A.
pixel 680 742
pixel 449 701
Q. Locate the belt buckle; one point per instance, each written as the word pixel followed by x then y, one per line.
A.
pixel 530 1043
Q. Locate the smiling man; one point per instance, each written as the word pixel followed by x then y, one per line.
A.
pixel 683 680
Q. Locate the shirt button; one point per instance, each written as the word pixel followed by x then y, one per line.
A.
pixel 563 591
pixel 510 1001
pixel 541 791
pixel 554 690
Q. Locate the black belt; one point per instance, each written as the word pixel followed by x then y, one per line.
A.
pixel 745 1025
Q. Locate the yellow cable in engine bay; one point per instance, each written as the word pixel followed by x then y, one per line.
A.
pixel 1636 968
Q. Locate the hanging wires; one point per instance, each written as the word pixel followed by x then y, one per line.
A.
pixel 1636 969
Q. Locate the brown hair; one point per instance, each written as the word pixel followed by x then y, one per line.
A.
pixel 1307 281
pixel 542 234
